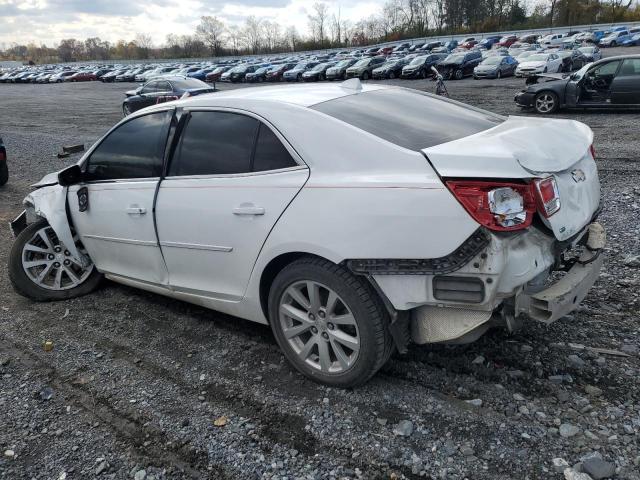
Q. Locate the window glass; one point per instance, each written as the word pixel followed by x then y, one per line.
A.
pixel 606 69
pixel 150 87
pixel 164 87
pixel 409 118
pixel 270 152
pixel 630 67
pixel 215 143
pixel 134 150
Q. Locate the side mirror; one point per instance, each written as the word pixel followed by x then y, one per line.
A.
pixel 70 176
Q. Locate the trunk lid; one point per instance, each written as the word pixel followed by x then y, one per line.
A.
pixel 526 148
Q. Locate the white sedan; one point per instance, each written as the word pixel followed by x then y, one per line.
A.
pixel 352 219
pixel 539 63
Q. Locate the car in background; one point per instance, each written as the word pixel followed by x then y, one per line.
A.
pixel 82 76
pixel 459 64
pixel 495 66
pixel 614 38
pixel 363 69
pixel 633 40
pixel 164 89
pixel 539 63
pixel 489 42
pixel 613 82
pixel 420 67
pixel 468 43
pixel 111 76
pixel 416 46
pixel 295 74
pixel 238 73
pixel 507 40
pixel 427 47
pixel 4 169
pixel 276 72
pixel 317 73
pixel 392 68
pixel 552 39
pixel 371 52
pixel 571 59
pixel 259 76
pixel 339 70
pixel 531 39
pixel 216 73
pixel 447 47
pixel 238 220
pixel 201 74
pixel 129 75
pixel 591 53
pixel 61 76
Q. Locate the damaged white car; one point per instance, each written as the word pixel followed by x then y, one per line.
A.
pixel 353 219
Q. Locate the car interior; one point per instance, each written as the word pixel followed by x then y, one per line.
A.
pixel 597 84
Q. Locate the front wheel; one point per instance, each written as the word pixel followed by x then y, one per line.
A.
pixel 330 324
pixel 459 75
pixel 41 268
pixel 499 74
pixel 365 76
pixel 546 102
pixel 126 109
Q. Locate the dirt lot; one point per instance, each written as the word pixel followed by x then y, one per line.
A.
pixel 135 381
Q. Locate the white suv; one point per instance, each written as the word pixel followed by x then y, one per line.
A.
pixel 353 219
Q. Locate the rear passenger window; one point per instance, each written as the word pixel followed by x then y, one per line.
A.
pixel 215 143
pixel 270 152
pixel 630 67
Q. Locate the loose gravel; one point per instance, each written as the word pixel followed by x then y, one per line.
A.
pixel 140 386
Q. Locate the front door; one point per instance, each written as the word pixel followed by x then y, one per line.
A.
pixel 113 209
pixel 625 87
pixel 597 83
pixel 230 179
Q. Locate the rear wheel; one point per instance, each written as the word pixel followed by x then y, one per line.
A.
pixel 126 109
pixel 365 76
pixel 499 74
pixel 392 75
pixel 41 267
pixel 329 323
pixel 4 173
pixel 459 74
pixel 545 102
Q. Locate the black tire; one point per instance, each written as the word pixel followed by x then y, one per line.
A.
pixel 299 77
pixel 27 288
pixel 459 74
pixel 4 173
pixel 614 44
pixel 499 74
pixel 321 77
pixel 372 319
pixel 365 75
pixel 126 109
pixel 552 108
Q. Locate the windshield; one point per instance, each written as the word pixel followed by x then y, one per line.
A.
pixel 189 83
pixel 318 68
pixel 362 63
pixel 455 58
pixel 409 118
pixel 492 61
pixel 418 60
pixel 580 73
pixel 300 66
pixel 262 69
pixel 538 58
pixel 587 49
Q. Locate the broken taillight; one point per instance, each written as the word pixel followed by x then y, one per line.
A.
pixel 500 206
pixel 547 195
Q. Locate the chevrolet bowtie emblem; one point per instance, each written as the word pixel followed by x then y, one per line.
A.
pixel 578 175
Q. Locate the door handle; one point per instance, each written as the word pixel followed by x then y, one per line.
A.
pixel 249 209
pixel 136 210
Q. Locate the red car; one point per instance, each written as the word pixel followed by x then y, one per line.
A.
pixel 385 50
pixel 81 77
pixel 507 41
pixel 215 75
pixel 275 74
pixel 469 43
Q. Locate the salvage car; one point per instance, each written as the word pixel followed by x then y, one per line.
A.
pixel 164 89
pixel 420 67
pixel 339 70
pixel 237 202
pixel 496 66
pixel 612 82
pixel 390 69
pixel 4 169
pixel 539 63
pixel 317 73
pixel 459 65
pixel 363 69
pixel 295 74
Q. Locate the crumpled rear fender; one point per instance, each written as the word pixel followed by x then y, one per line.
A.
pixel 50 203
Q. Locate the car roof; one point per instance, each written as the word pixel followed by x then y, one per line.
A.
pixel 302 95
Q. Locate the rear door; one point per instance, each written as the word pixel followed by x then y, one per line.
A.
pixel 625 87
pixel 229 180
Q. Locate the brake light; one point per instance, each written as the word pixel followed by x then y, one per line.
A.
pixel 547 195
pixel 499 206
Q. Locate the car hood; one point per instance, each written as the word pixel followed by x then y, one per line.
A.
pixel 532 64
pixel 523 148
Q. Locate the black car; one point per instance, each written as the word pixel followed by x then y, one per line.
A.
pixel 420 67
pixel 390 69
pixel 317 73
pixel 495 66
pixel 276 72
pixel 572 60
pixel 260 75
pixel 459 65
pixel 160 90
pixel 613 82
pixel 339 70
pixel 4 170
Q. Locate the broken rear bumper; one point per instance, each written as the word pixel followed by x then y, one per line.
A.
pixel 563 296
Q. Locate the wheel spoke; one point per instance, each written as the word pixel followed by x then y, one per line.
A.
pixel 345 339
pixel 296 331
pixel 306 350
pixel 33 248
pixel 342 357
pixel 332 300
pixel 44 272
pixel 45 238
pixel 71 274
pixel 299 297
pixel 57 282
pixel 35 263
pixel 313 289
pixel 295 313
pixel 346 319
pixel 323 356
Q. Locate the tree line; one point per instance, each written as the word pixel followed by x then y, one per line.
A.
pixel 396 20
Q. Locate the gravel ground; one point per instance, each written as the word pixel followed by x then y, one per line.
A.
pixel 140 386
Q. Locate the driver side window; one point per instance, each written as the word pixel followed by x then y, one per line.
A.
pixel 604 70
pixel 150 87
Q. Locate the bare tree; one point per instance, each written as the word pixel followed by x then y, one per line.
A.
pixel 211 31
pixel 253 33
pixel 292 37
pixel 318 21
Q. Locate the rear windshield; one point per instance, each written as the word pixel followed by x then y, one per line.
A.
pixel 409 118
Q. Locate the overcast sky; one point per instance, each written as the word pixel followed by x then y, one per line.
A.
pixel 49 21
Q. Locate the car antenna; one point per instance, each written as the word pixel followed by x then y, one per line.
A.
pixel 352 84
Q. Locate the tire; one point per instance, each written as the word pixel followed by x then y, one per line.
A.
pixel 365 75
pixel 392 75
pixel 423 74
pixel 614 44
pixel 23 284
pixel 499 74
pixel 459 74
pixel 546 102
pixel 354 299
pixel 4 173
pixel 299 77
pixel 126 109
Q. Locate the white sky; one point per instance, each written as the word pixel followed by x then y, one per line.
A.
pixel 49 21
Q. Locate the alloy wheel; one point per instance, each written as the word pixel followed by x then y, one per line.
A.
pixel 48 263
pixel 319 327
pixel 545 103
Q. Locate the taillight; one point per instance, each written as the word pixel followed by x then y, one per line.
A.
pixel 547 195
pixel 499 206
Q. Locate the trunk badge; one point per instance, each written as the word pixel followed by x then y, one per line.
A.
pixel 578 175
